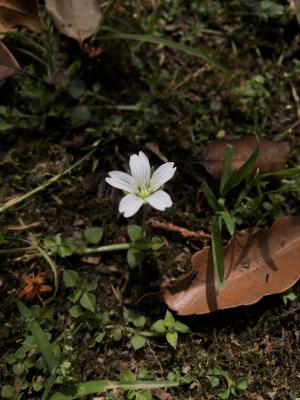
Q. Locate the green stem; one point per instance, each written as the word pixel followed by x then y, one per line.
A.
pixel 144 218
pixel 105 249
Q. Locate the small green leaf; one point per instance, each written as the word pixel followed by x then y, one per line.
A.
pixel 37 386
pixel 99 337
pixel 70 278
pixel 135 232
pixel 242 383
pixel 134 257
pixel 214 381
pixel 18 369
pixel 76 89
pixel 172 338
pixel 93 235
pixel 138 341
pixel 159 326
pixel 139 322
pixel 157 243
pixel 169 320
pixel 7 392
pixel 20 353
pixel 127 376
pixel 224 394
pixel 88 301
pixel 76 311
pixel 117 334
pixel 181 327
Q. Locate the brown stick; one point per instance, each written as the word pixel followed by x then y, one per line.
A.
pixel 186 233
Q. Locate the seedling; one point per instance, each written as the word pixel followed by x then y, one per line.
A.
pixel 217 375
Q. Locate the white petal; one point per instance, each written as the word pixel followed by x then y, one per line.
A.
pixel 163 174
pixel 159 200
pixel 140 168
pixel 130 204
pixel 123 181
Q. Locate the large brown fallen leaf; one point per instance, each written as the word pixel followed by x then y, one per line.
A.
pixel 272 156
pixel 8 64
pixel 257 264
pixel 24 13
pixel 75 18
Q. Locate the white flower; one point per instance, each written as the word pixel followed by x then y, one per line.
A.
pixel 141 185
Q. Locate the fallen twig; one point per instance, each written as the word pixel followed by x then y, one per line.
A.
pixel 186 233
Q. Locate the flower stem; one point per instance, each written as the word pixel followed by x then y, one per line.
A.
pixel 144 218
pixel 105 249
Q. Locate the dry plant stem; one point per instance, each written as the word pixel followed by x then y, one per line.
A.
pixel 49 182
pixel 106 249
pixel 186 233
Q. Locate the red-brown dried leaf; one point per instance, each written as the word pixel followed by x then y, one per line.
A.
pixel 8 64
pixel 272 155
pixel 33 287
pixel 257 263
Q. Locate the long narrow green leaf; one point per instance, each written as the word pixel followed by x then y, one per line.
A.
pixel 229 221
pixel 40 337
pixel 210 197
pixel 100 386
pixel 282 172
pixel 113 34
pixel 298 11
pixel 226 167
pixel 217 253
pixel 245 170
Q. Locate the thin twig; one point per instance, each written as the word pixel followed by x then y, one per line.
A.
pixel 186 233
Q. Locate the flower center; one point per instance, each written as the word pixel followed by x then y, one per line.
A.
pixel 143 192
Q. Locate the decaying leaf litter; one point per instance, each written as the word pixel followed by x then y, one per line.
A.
pixel 252 342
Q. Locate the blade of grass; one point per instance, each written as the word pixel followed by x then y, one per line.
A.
pixel 43 344
pixel 245 170
pixel 282 172
pixel 49 182
pixel 217 253
pixel 113 34
pixel 100 386
pixel 210 197
pixel 228 220
pixel 226 167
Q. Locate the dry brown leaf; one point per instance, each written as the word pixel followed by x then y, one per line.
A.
pixel 75 18
pixel 272 155
pixel 34 286
pixel 257 263
pixel 24 13
pixel 8 64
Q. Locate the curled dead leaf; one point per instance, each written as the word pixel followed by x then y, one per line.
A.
pixel 33 286
pixel 272 155
pixel 24 13
pixel 8 64
pixel 257 263
pixel 75 18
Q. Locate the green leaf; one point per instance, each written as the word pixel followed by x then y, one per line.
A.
pixel 134 257
pixel 80 115
pixel 76 89
pixel 127 376
pixel 224 394
pixel 138 341
pixel 20 353
pixel 70 278
pixel 37 386
pixel 157 243
pixel 242 383
pixel 214 381
pixel 169 320
pixel 172 338
pixel 217 253
pixel 210 197
pixel 88 301
pixel 160 41
pixel 93 235
pixel 159 326
pixel 18 369
pixel 226 167
pixel 7 392
pixel 117 334
pixel 135 232
pixel 99 337
pixel 76 311
pixel 181 327
pixel 229 221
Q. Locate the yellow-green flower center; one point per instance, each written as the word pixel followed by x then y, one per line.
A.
pixel 143 192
